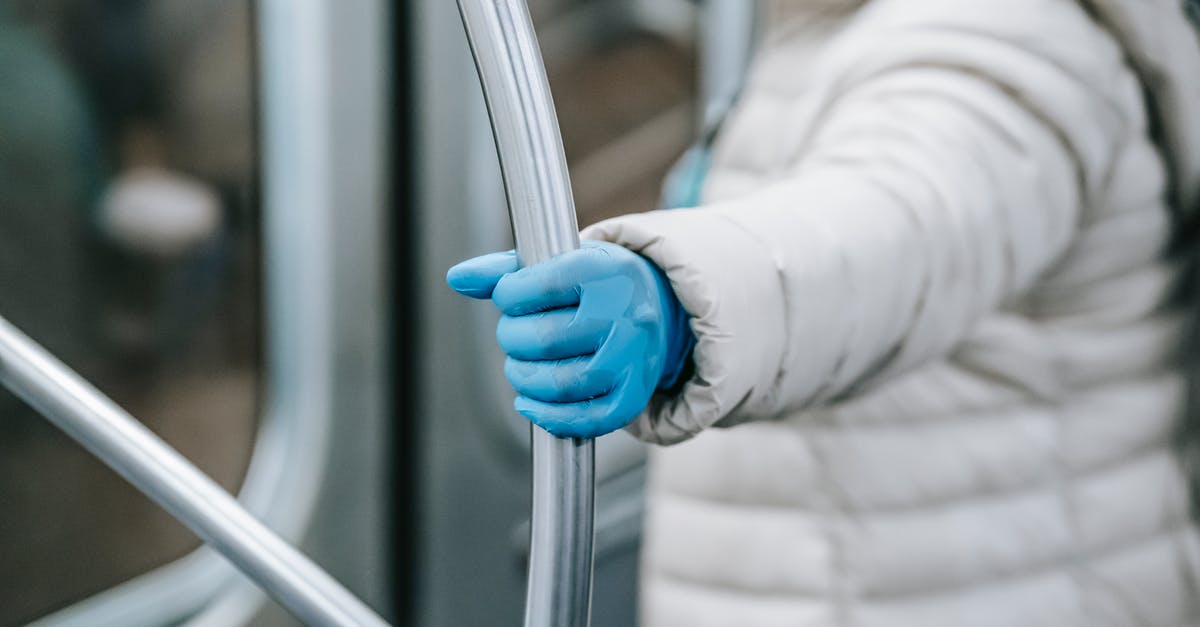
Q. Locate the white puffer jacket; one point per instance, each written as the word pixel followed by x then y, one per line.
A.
pixel 930 291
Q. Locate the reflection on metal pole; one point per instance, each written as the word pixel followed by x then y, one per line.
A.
pixel 133 451
pixel 544 225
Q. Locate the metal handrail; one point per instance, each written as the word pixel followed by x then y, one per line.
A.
pixel 542 211
pixel 143 459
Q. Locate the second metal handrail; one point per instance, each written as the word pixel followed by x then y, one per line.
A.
pixel 142 458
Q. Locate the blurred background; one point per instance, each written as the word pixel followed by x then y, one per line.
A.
pixel 233 217
pixel 130 247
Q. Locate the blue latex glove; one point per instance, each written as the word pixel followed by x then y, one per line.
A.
pixel 590 335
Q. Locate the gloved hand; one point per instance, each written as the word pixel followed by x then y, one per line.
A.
pixel 590 335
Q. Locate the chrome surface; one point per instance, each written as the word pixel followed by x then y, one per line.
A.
pixel 542 212
pixel 525 126
pixel 156 469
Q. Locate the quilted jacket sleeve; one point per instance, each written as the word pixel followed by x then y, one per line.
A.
pixel 938 163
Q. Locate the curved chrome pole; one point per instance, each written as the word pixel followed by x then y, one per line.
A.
pixel 542 210
pixel 129 448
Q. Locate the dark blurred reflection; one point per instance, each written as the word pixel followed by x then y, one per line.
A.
pixel 625 91
pixel 128 246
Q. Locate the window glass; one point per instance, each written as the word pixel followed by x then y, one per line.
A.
pixel 624 84
pixel 129 248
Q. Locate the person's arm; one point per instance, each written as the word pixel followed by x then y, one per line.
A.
pixel 950 150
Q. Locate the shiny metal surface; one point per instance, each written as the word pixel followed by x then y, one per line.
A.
pixel 525 125
pixel 561 539
pixel 165 476
pixel 542 211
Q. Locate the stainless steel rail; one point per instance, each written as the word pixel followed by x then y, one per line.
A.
pixel 129 448
pixel 542 211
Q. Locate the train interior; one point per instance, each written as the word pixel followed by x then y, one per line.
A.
pixel 234 219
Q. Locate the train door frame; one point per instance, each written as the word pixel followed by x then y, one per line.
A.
pixel 323 434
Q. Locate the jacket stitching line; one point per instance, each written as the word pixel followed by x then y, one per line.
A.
pixel 1052 565
pixel 975 497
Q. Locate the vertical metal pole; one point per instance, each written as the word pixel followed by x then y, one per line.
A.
pixel 542 211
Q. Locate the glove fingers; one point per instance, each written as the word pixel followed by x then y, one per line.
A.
pixel 585 419
pixel 555 334
pixel 552 284
pixel 477 277
pixel 563 381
